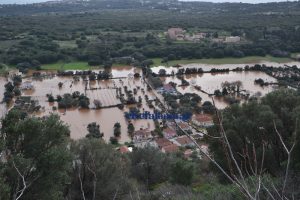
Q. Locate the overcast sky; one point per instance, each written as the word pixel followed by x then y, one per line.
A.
pixel 245 1
pixel 237 1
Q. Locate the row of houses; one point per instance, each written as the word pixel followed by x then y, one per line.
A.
pixel 170 131
pixel 166 146
pixel 180 34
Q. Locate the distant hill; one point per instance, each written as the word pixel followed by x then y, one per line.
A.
pixel 75 6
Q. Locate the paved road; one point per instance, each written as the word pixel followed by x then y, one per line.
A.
pixel 161 99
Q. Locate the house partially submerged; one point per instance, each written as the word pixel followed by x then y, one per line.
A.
pixel 167 88
pixel 27 85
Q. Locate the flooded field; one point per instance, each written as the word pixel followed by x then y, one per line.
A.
pixel 207 67
pixel 210 82
pixel 78 119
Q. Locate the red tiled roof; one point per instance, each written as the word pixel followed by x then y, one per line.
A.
pixel 203 118
pixel 161 142
pixel 123 149
pixel 183 125
pixel 184 140
pixel 170 148
pixel 170 132
pixel 188 153
pixel 171 125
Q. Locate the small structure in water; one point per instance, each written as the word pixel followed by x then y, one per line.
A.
pixel 27 85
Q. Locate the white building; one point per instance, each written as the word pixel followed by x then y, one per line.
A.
pixel 27 85
pixel 233 39
pixel 175 33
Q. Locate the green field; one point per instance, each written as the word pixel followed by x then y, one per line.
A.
pixel 157 61
pixel 67 66
pixel 73 66
pixel 220 61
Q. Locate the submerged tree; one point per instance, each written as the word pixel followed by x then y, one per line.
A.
pixel 117 129
pixel 97 103
pixel 94 131
pixel 60 84
pixel 130 129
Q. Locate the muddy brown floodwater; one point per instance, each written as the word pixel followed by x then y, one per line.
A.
pixel 78 119
pixel 209 82
pixel 207 67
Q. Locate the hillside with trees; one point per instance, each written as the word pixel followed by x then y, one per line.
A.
pixel 125 32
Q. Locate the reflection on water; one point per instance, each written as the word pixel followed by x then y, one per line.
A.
pixel 78 119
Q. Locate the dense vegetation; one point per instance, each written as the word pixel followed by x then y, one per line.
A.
pixel 129 36
pixel 253 131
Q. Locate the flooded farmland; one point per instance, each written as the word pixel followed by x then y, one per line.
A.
pixel 207 67
pixel 78 119
pixel 209 82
